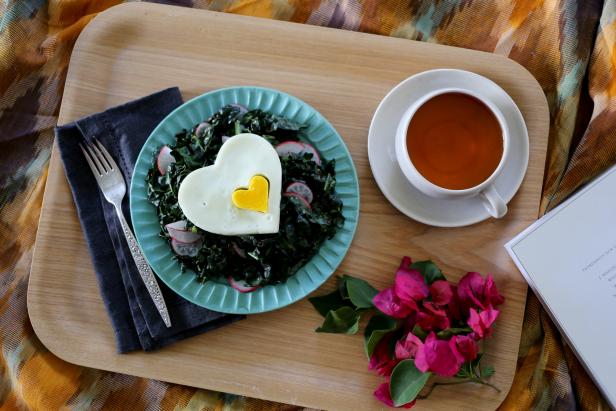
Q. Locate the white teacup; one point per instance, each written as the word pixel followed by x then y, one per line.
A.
pixel 491 199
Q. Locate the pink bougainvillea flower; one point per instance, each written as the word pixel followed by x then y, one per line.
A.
pixel 481 323
pixel 432 317
pixel 381 361
pixel 439 356
pixel 408 347
pixel 491 296
pixel 410 284
pixel 467 346
pixel 389 303
pixel 454 308
pixel 441 292
pixel 475 292
pixel 405 262
pixel 470 290
pixel 383 394
pixel 409 322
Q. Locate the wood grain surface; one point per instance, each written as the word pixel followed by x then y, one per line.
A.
pixel 139 48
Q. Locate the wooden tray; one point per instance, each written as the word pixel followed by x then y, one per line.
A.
pixel 138 48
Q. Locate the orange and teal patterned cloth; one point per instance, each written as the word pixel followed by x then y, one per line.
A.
pixel 568 45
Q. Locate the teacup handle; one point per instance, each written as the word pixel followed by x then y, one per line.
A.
pixel 493 202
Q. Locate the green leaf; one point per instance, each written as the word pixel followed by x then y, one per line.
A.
pixel 473 369
pixel 487 371
pixel 449 332
pixel 474 366
pixel 360 292
pixel 429 271
pixel 479 371
pixel 344 320
pixel 467 370
pixel 378 326
pixel 477 360
pixel 325 303
pixel 419 332
pixel 463 372
pixel 342 287
pixel 238 127
pixel 406 382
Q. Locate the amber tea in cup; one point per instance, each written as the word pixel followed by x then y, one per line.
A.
pixel 455 141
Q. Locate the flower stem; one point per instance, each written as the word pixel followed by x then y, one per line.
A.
pixel 484 382
pixel 426 395
pixel 461 381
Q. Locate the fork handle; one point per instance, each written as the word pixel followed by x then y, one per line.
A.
pixel 144 270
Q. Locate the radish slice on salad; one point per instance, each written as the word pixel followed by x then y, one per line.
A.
pixel 309 148
pixel 287 148
pixel 302 189
pixel 185 249
pixel 241 108
pixel 241 286
pixel 177 225
pixel 303 201
pixel 178 231
pixel 201 127
pixel 164 160
pixel 238 250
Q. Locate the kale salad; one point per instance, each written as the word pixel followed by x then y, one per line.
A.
pixel 310 210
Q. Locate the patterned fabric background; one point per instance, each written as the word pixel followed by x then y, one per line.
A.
pixel 569 46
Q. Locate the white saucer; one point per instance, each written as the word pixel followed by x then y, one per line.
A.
pixel 389 177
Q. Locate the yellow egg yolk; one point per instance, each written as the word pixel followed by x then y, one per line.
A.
pixel 255 197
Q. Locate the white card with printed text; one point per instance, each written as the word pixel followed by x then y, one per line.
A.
pixel 568 258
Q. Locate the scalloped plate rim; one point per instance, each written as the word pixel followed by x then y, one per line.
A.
pixel 350 205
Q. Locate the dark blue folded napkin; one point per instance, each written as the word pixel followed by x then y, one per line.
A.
pixel 123 131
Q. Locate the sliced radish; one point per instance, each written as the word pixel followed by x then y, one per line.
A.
pixel 225 138
pixel 309 148
pixel 241 286
pixel 302 189
pixel 186 249
pixel 201 127
pixel 287 148
pixel 178 231
pixel 185 236
pixel 164 159
pixel 238 250
pixel 177 225
pixel 299 198
pixel 240 107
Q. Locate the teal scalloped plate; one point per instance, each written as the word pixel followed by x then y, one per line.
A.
pixel 218 296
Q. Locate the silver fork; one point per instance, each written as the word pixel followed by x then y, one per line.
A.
pixel 112 185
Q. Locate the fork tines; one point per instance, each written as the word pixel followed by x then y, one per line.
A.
pixel 98 157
